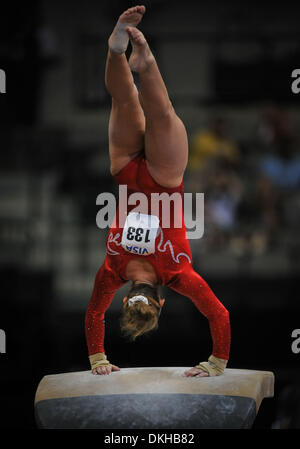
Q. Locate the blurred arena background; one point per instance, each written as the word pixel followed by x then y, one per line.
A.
pixel 228 70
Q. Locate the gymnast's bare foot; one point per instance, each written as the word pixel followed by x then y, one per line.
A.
pixel 141 57
pixel 118 41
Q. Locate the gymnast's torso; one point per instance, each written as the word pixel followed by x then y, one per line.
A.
pixel 171 260
pixel 170 252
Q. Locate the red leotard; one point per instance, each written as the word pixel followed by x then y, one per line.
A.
pixel 172 262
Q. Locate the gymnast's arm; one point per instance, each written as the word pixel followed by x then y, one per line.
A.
pixel 190 284
pixel 107 282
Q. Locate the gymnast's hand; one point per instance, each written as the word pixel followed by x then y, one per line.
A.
pixel 195 372
pixel 106 369
pixel 214 367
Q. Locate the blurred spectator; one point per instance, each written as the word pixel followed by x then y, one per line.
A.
pixel 211 169
pixel 211 145
pixel 223 195
pixel 274 128
pixel 48 43
pixel 279 174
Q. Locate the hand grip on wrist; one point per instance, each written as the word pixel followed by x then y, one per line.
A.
pixel 98 359
pixel 214 367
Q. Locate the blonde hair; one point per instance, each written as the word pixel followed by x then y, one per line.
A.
pixel 139 317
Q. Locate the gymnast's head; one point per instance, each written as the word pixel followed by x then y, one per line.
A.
pixel 142 307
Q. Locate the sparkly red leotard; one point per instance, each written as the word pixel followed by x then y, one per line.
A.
pixel 172 262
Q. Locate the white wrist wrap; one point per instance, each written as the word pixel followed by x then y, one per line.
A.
pixel 214 366
pixel 98 359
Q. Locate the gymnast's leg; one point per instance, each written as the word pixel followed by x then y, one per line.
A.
pixel 127 120
pixel 166 143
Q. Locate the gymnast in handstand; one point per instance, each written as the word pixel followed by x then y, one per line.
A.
pixel 148 149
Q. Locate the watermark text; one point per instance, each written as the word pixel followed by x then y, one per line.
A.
pixel 172 209
pixel 2 342
pixel 2 82
pixel 295 86
pixel 296 343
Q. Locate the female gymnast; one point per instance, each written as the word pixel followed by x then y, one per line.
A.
pixel 148 149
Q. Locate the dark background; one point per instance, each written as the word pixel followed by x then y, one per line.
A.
pixel 225 64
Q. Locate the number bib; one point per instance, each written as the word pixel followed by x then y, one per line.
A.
pixel 139 233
